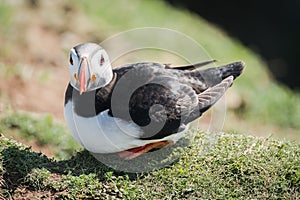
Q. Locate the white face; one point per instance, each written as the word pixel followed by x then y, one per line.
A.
pixel 89 67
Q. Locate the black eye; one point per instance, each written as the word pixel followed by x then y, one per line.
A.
pixel 71 60
pixel 102 60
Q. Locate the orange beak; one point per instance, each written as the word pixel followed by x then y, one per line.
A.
pixel 82 76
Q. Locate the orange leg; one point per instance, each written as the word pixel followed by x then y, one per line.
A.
pixel 137 151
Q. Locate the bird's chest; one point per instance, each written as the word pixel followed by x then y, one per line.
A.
pixel 102 133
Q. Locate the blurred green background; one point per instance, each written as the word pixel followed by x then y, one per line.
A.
pixel 35 38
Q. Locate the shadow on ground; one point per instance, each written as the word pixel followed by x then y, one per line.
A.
pixel 18 163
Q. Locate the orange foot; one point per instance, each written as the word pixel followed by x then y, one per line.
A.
pixel 137 151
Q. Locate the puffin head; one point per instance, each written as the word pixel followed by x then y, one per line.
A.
pixel 89 67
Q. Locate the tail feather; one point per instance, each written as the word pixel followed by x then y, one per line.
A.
pixel 222 72
pixel 233 69
pixel 213 76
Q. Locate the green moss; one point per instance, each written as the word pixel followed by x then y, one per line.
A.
pixel 236 167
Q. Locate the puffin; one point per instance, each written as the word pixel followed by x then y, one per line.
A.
pixel 140 107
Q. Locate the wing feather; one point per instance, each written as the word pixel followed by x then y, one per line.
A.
pixel 210 96
pixel 194 66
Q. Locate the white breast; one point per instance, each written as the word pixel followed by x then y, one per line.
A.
pixel 106 134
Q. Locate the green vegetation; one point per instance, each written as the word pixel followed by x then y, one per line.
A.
pixel 6 13
pixel 276 104
pixel 236 167
pixel 41 129
pixel 5 16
